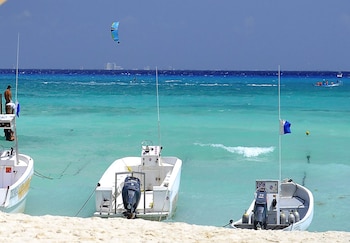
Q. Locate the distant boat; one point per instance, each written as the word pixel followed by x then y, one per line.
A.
pixel 16 170
pixel 328 84
pixel 339 75
pixel 278 205
pixel 140 187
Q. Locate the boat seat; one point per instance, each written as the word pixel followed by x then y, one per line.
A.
pixel 290 203
pixel 288 189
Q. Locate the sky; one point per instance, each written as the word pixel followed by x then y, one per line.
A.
pixel 298 35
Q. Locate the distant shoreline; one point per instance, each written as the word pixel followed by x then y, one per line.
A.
pixel 332 74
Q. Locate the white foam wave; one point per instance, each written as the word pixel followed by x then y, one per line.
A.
pixel 173 81
pixel 262 85
pixel 91 83
pixel 247 152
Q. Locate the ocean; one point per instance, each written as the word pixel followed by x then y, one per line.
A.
pixel 222 124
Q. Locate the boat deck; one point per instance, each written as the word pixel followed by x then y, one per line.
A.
pixel 145 209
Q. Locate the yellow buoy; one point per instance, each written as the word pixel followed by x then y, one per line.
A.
pixel 307 133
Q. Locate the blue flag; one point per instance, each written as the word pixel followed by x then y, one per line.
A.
pixel 18 110
pixel 284 127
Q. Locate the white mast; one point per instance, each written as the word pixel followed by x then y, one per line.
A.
pixel 279 146
pixel 159 138
pixel 17 68
pixel 279 120
pixel 16 102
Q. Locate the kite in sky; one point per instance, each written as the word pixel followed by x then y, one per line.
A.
pixel 114 31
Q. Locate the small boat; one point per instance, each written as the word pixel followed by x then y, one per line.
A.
pixel 327 84
pixel 16 170
pixel 278 205
pixel 339 75
pixel 143 187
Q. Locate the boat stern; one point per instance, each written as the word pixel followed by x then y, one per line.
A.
pixel 103 200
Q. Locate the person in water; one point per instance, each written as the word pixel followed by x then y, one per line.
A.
pixel 9 110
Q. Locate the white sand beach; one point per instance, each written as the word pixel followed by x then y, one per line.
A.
pixel 25 228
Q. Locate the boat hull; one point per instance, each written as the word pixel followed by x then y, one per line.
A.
pixel 15 183
pixel 18 207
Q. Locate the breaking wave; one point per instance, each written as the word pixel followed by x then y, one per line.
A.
pixel 248 152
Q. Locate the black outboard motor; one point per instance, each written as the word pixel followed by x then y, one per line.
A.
pixel 260 210
pixel 131 196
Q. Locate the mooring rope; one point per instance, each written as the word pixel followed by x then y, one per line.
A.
pixel 231 221
pixel 41 175
pixel 93 191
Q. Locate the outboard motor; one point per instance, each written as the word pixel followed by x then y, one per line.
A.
pixel 131 196
pixel 260 210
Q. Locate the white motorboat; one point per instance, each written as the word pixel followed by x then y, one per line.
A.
pixel 16 171
pixel 278 205
pixel 143 187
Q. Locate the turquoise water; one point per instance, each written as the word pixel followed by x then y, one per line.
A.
pixel 224 126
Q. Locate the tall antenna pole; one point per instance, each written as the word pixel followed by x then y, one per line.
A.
pixel 17 68
pixel 159 138
pixel 279 145
pixel 279 120
pixel 16 102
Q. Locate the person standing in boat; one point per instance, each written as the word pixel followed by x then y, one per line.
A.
pixel 9 110
pixel 8 99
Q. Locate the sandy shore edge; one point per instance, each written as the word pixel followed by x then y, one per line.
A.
pixel 22 228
